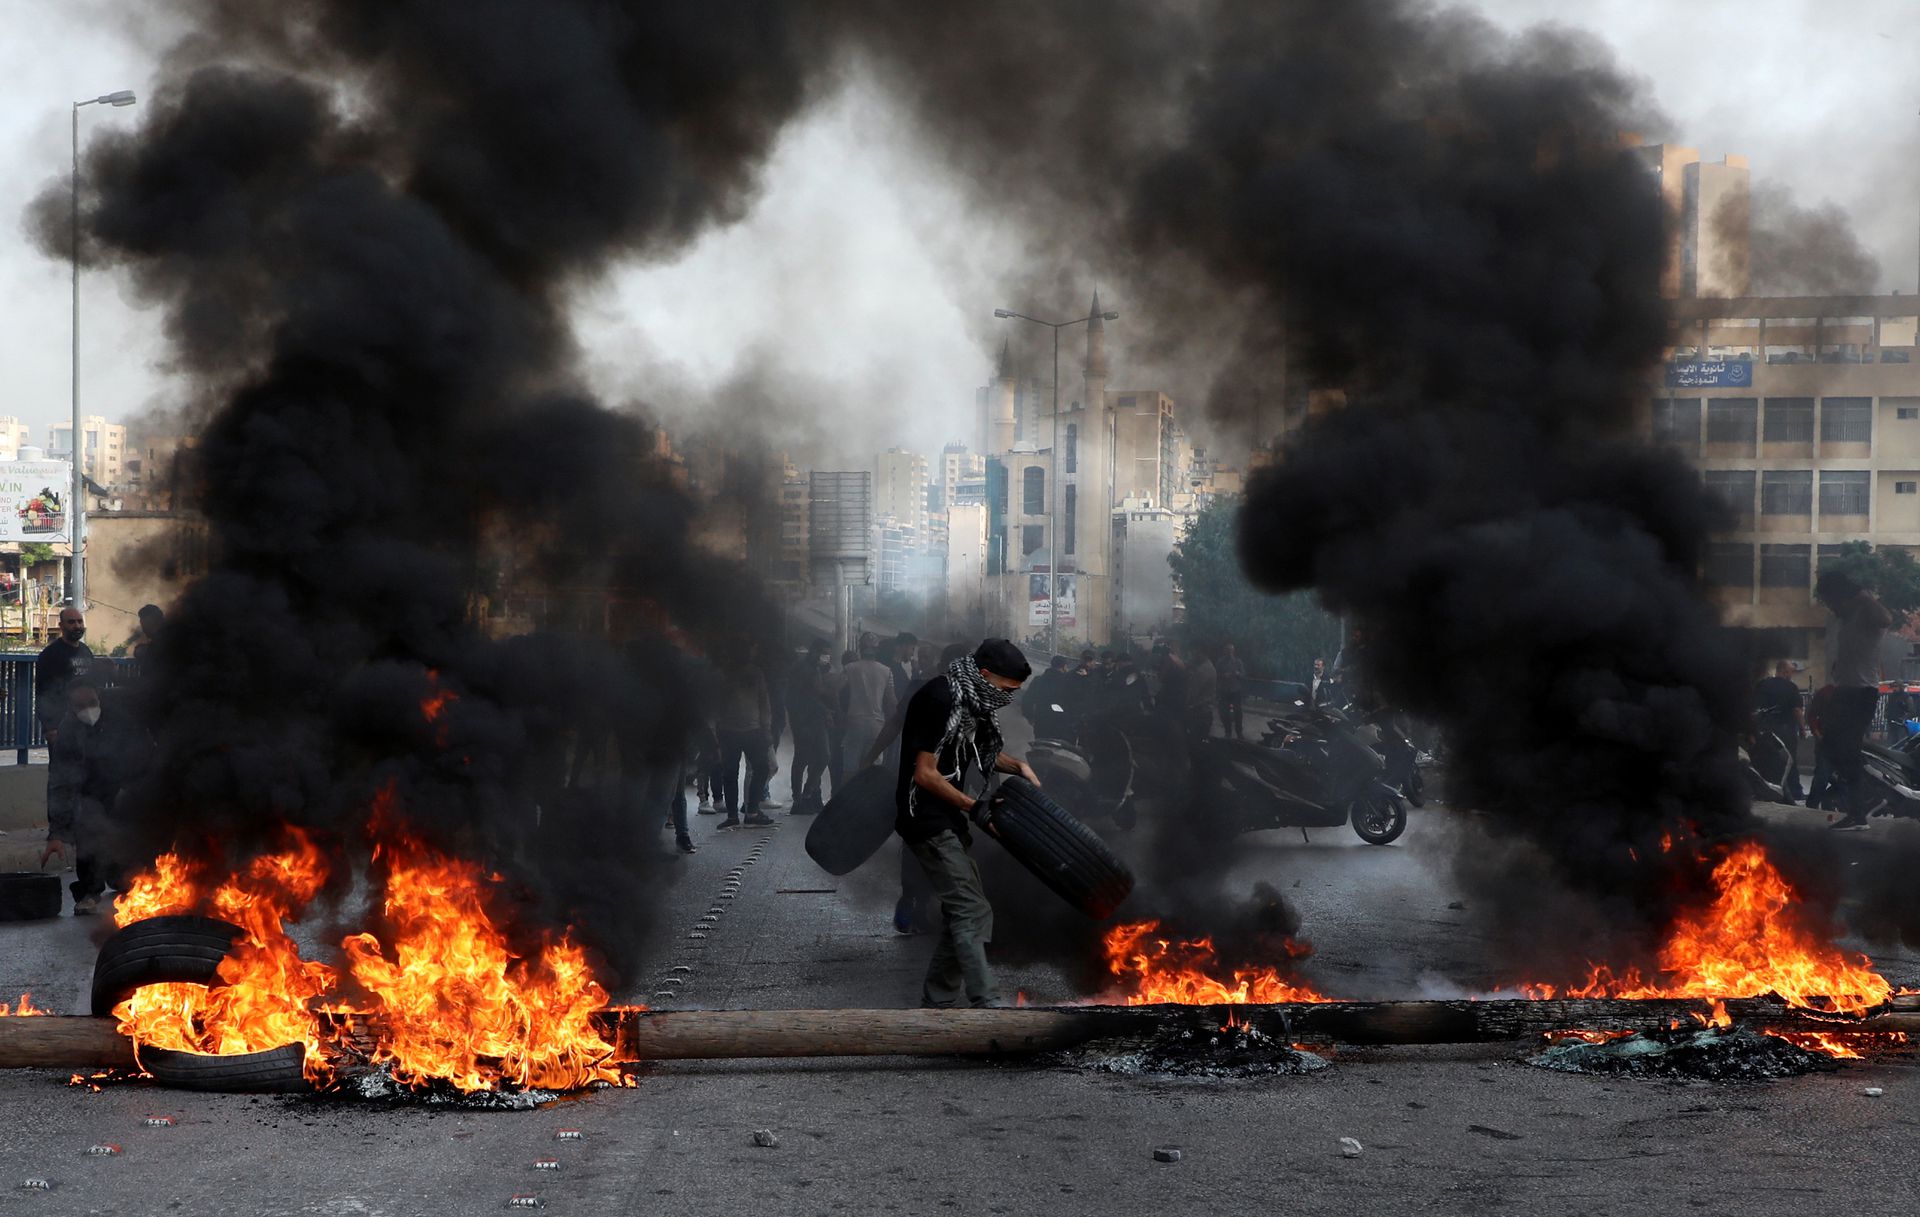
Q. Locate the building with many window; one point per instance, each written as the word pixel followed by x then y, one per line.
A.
pixel 104 446
pixel 1803 416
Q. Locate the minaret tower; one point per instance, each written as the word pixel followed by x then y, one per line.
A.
pixel 1001 429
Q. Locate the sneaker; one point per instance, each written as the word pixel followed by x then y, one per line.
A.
pixel 686 846
pixel 1850 823
pixel 903 917
pixel 804 809
pixel 708 809
pixel 771 804
pixel 729 822
pixel 758 820
pixel 86 906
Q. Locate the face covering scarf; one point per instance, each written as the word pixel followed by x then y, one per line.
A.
pixel 970 728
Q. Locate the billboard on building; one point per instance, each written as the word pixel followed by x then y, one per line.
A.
pixel 33 501
pixel 1038 604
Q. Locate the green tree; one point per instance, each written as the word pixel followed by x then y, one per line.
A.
pixel 1278 636
pixel 1891 574
pixel 33 553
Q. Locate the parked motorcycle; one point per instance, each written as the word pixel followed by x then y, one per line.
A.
pixel 1086 765
pixel 1313 770
pixel 1893 777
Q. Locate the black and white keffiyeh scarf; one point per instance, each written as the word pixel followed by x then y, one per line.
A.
pixel 971 730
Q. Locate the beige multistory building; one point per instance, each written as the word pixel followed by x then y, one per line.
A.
pixel 13 437
pixel 103 447
pixel 790 568
pixel 900 488
pixel 1709 202
pixel 1803 415
pixel 1121 478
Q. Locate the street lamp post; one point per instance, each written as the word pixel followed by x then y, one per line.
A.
pixel 1054 547
pixel 76 495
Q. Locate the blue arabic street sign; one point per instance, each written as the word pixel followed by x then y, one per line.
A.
pixel 1710 374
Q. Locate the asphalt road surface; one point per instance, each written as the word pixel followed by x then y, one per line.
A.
pixel 1442 1130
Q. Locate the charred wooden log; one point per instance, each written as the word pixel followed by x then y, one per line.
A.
pixel 81 1042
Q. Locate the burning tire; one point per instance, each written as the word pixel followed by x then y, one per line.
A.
pixel 855 823
pixel 29 896
pixel 1379 818
pixel 159 950
pixel 1058 849
pixel 276 1071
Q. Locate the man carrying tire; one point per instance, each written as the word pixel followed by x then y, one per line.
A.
pixel 949 733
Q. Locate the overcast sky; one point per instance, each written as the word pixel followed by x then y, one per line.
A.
pixel 861 281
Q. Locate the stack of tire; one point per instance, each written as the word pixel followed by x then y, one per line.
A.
pixel 189 950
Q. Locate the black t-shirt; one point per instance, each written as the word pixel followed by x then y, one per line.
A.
pixel 925 724
pixel 1775 699
pixel 56 668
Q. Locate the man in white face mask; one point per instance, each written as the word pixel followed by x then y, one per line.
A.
pixel 98 750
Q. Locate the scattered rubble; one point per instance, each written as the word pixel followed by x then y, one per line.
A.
pixel 1169 1154
pixel 1349 1148
pixel 764 1138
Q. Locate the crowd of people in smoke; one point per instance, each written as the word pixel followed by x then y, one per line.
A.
pixel 1838 715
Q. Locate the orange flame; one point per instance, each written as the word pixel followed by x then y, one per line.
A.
pixel 171 887
pixel 450 1002
pixel 454 1003
pixel 1750 940
pixel 1186 972
pixel 26 1008
pixel 1821 1042
pixel 266 990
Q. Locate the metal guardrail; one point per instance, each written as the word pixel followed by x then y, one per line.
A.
pixel 19 724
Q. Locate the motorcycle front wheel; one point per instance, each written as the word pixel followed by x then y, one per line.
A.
pixel 1378 819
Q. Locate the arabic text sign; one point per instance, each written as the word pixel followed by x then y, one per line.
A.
pixel 33 500
pixel 1710 374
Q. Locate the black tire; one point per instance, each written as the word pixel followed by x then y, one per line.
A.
pixel 855 823
pixel 29 896
pixel 275 1071
pixel 1058 849
pixel 159 950
pixel 1379 817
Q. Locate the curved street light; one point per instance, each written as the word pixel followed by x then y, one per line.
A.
pixel 77 494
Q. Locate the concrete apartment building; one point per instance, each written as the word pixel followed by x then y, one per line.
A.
pixel 1803 415
pixel 104 447
pixel 1709 201
pixel 13 437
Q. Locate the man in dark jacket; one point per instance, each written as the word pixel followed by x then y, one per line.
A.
pixel 807 689
pixel 950 731
pixel 98 749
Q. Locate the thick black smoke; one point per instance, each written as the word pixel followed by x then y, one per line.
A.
pixel 364 216
pixel 362 221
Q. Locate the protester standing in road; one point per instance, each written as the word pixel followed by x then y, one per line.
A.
pixel 1232 674
pixel 1822 790
pixel 949 734
pixel 61 662
pixel 1319 687
pixel 1855 674
pixel 807 716
pixel 744 725
pixel 867 699
pixel 1776 710
pixel 1055 687
pixel 1170 688
pixel 1203 690
pixel 98 749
